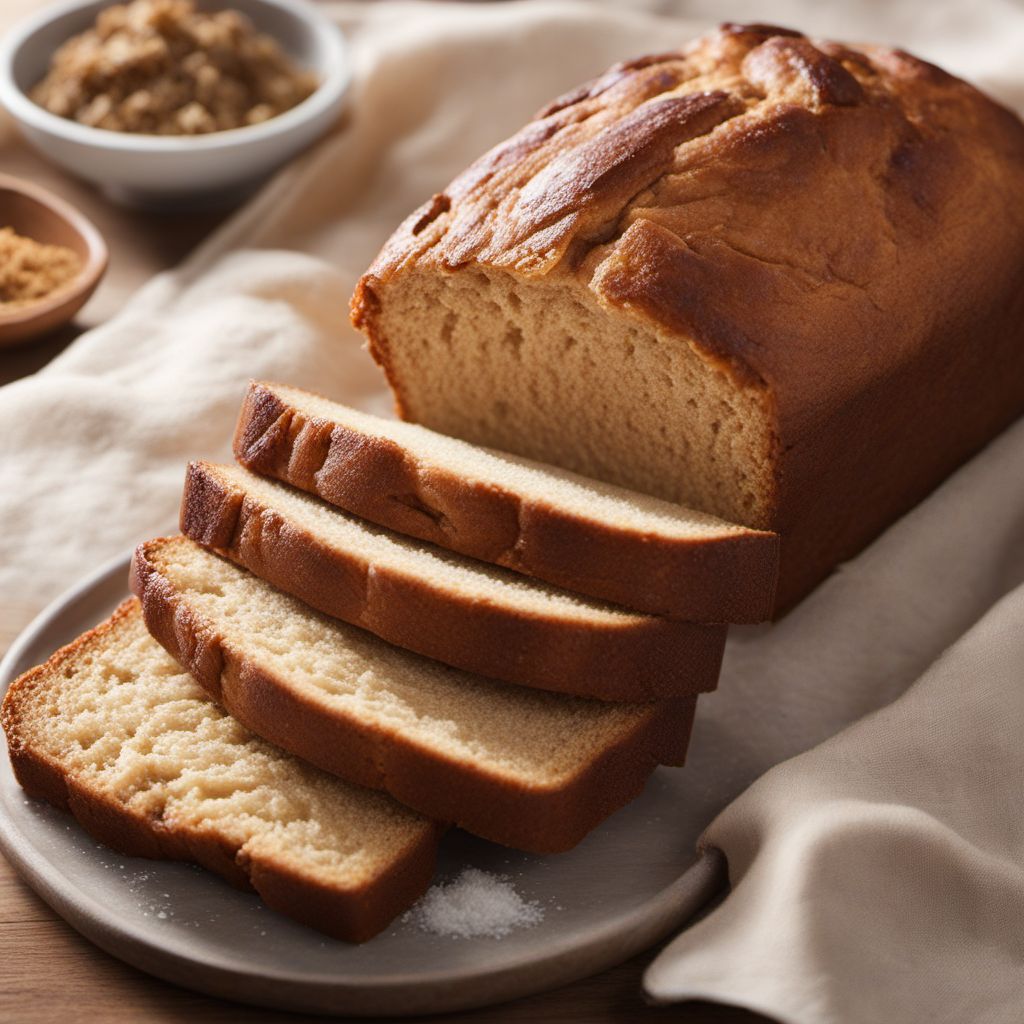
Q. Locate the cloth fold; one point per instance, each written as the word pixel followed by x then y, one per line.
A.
pixel 93 449
pixel 880 875
pixel 877 876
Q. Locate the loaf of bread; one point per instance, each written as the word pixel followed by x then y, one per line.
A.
pixel 533 770
pixel 776 278
pixel 571 531
pixel 112 730
pixel 457 610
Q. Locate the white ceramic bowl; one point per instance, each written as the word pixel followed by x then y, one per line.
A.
pixel 176 171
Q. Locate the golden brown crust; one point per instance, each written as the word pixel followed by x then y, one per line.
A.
pixel 847 237
pixel 354 915
pixel 724 579
pixel 647 659
pixel 533 819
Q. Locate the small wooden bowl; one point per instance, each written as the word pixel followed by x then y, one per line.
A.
pixel 35 213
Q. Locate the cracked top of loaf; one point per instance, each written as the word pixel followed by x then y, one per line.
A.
pixel 757 194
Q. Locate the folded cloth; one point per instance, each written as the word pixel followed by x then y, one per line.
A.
pixel 862 869
pixel 879 876
pixel 93 449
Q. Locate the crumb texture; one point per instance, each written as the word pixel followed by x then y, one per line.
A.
pixel 523 736
pixel 120 719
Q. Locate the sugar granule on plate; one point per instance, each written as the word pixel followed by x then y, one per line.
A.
pixel 474 905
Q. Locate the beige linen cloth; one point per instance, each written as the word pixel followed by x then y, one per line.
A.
pixel 877 877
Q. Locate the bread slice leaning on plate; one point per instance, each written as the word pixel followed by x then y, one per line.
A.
pixel 463 612
pixel 533 770
pixel 586 536
pixel 112 730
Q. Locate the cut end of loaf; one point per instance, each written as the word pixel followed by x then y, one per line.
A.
pixel 542 369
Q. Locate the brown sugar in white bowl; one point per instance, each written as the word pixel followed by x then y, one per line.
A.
pixel 40 215
pixel 173 172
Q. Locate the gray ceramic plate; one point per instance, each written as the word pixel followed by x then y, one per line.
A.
pixel 626 886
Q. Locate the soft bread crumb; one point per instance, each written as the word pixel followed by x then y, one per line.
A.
pixel 582 496
pixel 475 580
pixel 122 719
pixel 526 736
pixel 515 365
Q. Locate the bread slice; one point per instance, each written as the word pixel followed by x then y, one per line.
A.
pixel 112 730
pixel 460 611
pixel 586 536
pixel 522 767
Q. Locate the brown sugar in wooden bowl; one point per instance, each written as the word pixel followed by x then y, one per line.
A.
pixel 37 214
